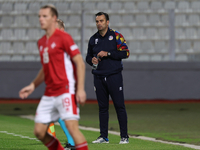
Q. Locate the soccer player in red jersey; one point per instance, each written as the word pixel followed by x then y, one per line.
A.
pixel 63 71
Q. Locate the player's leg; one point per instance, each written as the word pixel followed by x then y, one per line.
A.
pixel 46 113
pixel 79 139
pixel 67 134
pixel 102 95
pixel 69 111
pixel 115 83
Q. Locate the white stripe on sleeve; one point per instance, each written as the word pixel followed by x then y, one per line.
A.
pixel 73 47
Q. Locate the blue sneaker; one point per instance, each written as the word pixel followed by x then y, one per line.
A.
pixel 101 140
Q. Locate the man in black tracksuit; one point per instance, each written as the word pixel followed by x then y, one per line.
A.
pixel 106 49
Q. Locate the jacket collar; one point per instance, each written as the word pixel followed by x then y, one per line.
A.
pixel 108 31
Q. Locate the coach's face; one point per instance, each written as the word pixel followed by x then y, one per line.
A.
pixel 101 23
pixel 46 18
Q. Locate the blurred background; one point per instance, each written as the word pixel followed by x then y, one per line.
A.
pixel 163 37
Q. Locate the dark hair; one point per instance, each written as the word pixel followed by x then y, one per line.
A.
pixel 61 23
pixel 52 9
pixel 103 13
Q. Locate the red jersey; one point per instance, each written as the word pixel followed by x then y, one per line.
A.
pixel 56 53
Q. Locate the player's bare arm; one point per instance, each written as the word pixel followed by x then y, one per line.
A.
pixel 27 90
pixel 80 69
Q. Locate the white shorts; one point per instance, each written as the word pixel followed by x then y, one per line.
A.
pixel 51 108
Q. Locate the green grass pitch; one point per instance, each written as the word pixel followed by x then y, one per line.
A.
pixel 170 122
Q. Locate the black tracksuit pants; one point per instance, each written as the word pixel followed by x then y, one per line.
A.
pixel 113 86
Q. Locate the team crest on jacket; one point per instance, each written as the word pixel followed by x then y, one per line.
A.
pixel 110 37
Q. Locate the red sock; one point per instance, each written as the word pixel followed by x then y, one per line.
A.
pixel 54 144
pixel 82 146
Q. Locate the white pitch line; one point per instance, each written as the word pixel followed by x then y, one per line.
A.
pixel 24 137
pixel 135 137
pixel 144 138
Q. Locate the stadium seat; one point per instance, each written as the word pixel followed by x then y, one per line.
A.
pixel 166 57
pixel 180 20
pixel 160 47
pixel 156 6
pixel 127 20
pixel 179 33
pixel 74 20
pixel 183 6
pixel 75 33
pixel 141 19
pixel 29 58
pixel 33 7
pixel 7 7
pixel 20 7
pixel 156 57
pixel 18 48
pixel 103 6
pixel 20 21
pixel 7 34
pixel 75 6
pixel 196 46
pixel 147 47
pixel 134 47
pixel 42 33
pixel 181 57
pixel 62 7
pixel 165 20
pixel 116 6
pixel 138 33
pixel 169 4
pixel 33 21
pixel 7 21
pixel 126 32
pixel 89 20
pixel 130 6
pixel 78 43
pixel 163 33
pixel 143 5
pixel 193 19
pixel 131 58
pixel 5 48
pixel 31 48
pixel 64 18
pixel 20 34
pixel 144 24
pixel 185 46
pixel 17 58
pixel 154 19
pixel 191 33
pixel 143 57
pixel 90 6
pixel 5 57
pixel 33 34
pixel 195 6
pixel 151 33
pixel 88 33
pixel 37 58
pixel 115 20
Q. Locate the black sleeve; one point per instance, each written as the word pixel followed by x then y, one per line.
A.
pixel 89 55
pixel 119 54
